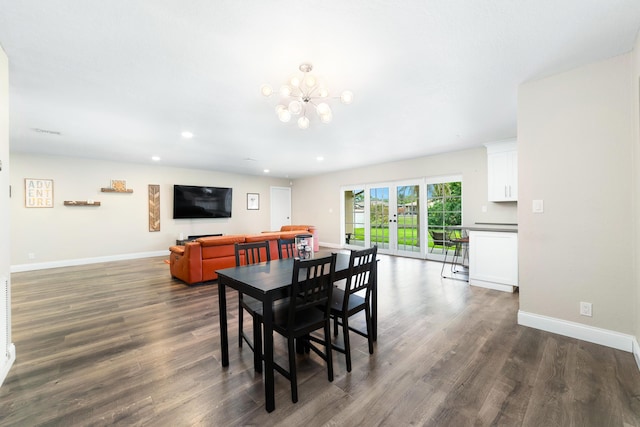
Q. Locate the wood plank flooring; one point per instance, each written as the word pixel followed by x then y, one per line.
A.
pixel 122 343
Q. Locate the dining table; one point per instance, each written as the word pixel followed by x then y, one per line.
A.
pixel 268 282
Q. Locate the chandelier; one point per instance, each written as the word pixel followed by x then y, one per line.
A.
pixel 303 94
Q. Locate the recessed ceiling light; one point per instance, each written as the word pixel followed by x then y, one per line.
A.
pixel 187 134
pixel 319 158
pixel 155 158
pixel 266 171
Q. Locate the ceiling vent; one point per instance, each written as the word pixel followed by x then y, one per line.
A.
pixel 50 132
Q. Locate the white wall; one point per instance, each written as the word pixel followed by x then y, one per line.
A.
pixel 575 149
pixel 7 349
pixel 120 225
pixel 317 199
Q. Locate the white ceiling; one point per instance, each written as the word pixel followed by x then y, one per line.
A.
pixel 121 79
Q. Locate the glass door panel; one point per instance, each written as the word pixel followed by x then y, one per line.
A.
pixel 444 210
pixel 408 218
pixel 379 221
pixel 354 217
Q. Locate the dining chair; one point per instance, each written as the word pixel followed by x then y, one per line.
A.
pixel 307 311
pixel 286 248
pixel 439 238
pixel 246 254
pixel 345 303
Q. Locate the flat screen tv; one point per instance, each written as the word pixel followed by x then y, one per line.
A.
pixel 190 201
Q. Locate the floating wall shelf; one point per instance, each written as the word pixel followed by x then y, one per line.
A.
pixel 80 203
pixel 112 190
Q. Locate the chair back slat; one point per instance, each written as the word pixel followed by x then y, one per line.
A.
pixel 252 253
pixel 287 248
pixel 311 284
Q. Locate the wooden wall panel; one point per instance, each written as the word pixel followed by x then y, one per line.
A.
pixel 154 207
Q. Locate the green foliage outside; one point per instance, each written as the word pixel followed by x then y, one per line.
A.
pixel 444 208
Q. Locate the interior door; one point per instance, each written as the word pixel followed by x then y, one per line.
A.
pixel 280 207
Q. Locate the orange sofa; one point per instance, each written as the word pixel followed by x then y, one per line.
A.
pixel 197 261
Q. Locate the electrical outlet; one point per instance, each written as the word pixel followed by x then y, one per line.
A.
pixel 32 255
pixel 585 309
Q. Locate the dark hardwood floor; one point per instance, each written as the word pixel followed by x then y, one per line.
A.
pixel 122 343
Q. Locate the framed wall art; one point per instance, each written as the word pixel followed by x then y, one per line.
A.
pixel 38 193
pixel 253 201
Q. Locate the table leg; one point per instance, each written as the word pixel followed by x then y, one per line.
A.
pixel 222 306
pixel 269 383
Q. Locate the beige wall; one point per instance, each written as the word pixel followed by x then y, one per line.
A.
pixel 120 225
pixel 575 149
pixel 317 199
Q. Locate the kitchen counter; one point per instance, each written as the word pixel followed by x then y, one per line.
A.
pixel 503 228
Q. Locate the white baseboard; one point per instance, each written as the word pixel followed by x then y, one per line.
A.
pixel 83 261
pixel 582 332
pixel 330 245
pixel 636 352
pixel 492 285
pixel 7 363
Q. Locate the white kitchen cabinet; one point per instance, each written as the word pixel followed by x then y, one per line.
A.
pixel 502 168
pixel 493 260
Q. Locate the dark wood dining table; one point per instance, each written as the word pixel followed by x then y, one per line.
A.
pixel 268 282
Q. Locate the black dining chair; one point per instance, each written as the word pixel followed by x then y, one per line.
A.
pixel 286 248
pixel 307 311
pixel 355 298
pixel 246 254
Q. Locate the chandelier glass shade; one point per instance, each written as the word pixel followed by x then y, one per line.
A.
pixel 302 95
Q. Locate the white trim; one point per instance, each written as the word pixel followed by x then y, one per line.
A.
pixel 636 352
pixel 578 330
pixel 332 245
pixel 7 363
pixel 83 261
pixel 493 285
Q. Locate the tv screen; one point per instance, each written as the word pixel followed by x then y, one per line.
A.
pixel 190 201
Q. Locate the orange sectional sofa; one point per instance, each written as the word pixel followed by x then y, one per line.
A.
pixel 197 261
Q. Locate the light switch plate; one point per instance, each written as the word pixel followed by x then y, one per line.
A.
pixel 538 206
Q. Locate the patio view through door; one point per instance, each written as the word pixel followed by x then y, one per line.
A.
pixel 410 218
pixel 388 216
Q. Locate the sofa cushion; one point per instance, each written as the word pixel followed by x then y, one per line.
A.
pixel 221 240
pixel 294 227
pixel 179 250
pixel 270 235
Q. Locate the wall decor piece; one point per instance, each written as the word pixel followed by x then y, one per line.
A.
pixel 154 207
pixel 111 190
pixel 81 203
pixel 38 193
pixel 253 201
pixel 119 185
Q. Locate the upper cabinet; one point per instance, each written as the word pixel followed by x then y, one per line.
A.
pixel 502 167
